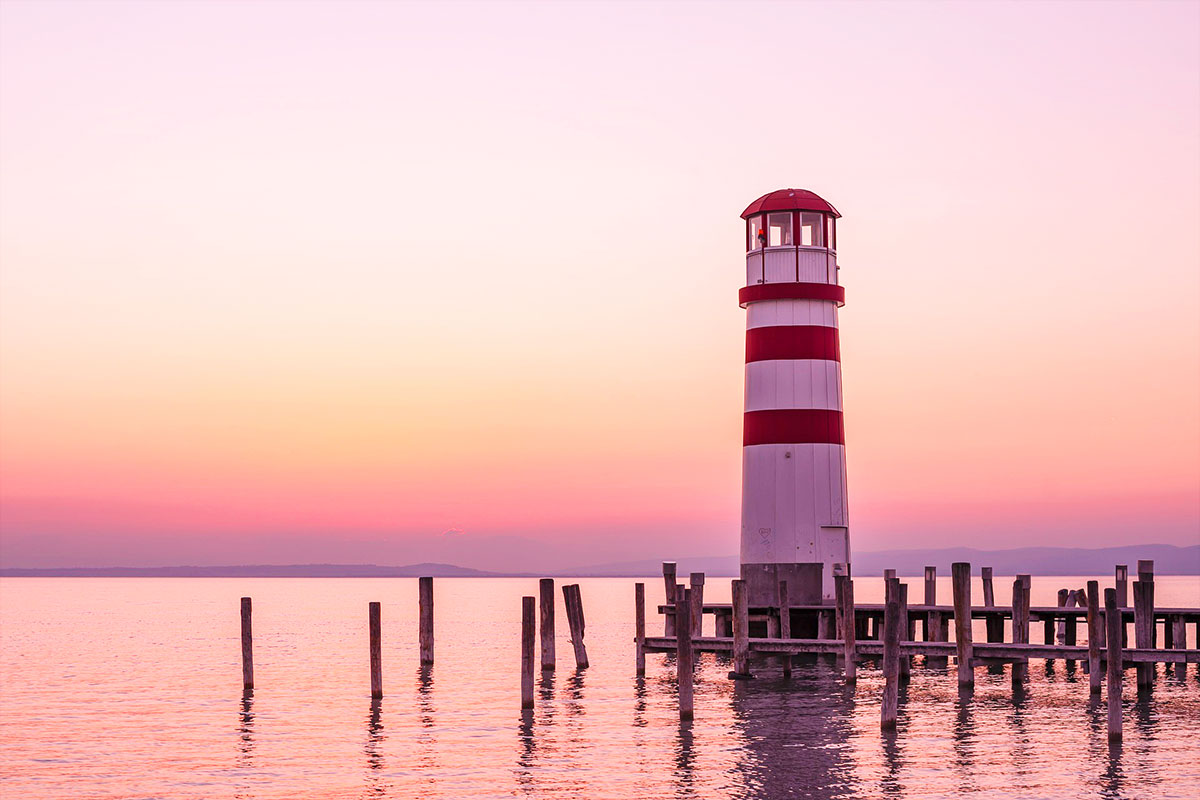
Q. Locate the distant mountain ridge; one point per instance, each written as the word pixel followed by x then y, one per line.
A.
pixel 1168 560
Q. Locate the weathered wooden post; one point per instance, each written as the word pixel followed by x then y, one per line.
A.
pixel 849 632
pixel 839 584
pixel 1020 629
pixel 573 601
pixel 546 617
pixel 1093 626
pixel 1063 597
pixel 697 600
pixel 741 632
pixel 528 612
pixel 425 623
pixel 785 624
pixel 1146 575
pixel 888 574
pixel 1112 617
pixel 1121 582
pixel 373 628
pixel 905 661
pixel 891 656
pixel 1143 625
pixel 669 593
pixel 994 623
pixel 639 626
pixel 247 647
pixel 1070 635
pixel 961 577
pixel 683 651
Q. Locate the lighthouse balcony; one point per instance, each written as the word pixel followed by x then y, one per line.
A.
pixel 790 264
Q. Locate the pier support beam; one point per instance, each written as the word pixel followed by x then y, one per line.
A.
pixel 961 577
pixel 683 651
pixel 741 632
pixel 1094 626
pixel 891 656
pixel 1112 619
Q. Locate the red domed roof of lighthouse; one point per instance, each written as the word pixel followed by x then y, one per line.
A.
pixel 789 200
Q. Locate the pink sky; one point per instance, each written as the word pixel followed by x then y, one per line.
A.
pixel 305 281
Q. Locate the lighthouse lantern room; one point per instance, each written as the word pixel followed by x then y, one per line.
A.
pixel 794 516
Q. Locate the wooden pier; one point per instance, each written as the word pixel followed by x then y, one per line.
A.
pixel 887 631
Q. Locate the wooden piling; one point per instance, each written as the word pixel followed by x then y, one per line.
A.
pixel 741 632
pixel 639 626
pixel 573 601
pixel 425 623
pixel 849 632
pixel 1143 626
pixel 1069 627
pixel 931 587
pixel 1112 619
pixel 1020 629
pixel 1146 575
pixel 546 618
pixel 696 579
pixel 839 585
pixel 905 661
pixel 1121 581
pixel 528 613
pixel 373 627
pixel 888 574
pixel 668 569
pixel 247 647
pixel 993 623
pixel 1145 570
pixel 1063 597
pixel 1093 627
pixel 961 576
pixel 683 651
pixel 891 656
pixel 785 624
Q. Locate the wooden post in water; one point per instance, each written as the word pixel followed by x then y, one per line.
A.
pixel 697 600
pixel 639 626
pixel 1121 582
pixel 839 585
pixel 848 631
pixel 961 576
pixel 683 651
pixel 785 624
pixel 1020 629
pixel 1070 635
pixel 994 623
pixel 1112 617
pixel 669 594
pixel 247 647
pixel 573 601
pixel 373 627
pixel 1063 597
pixel 905 661
pixel 1093 625
pixel 891 656
pixel 1143 625
pixel 741 632
pixel 528 613
pixel 546 617
pixel 425 623
pixel 1146 575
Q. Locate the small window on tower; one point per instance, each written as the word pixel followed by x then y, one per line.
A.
pixel 811 230
pixel 779 229
pixel 754 233
pixel 829 237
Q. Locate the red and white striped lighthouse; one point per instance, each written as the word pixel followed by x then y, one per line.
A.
pixel 794 520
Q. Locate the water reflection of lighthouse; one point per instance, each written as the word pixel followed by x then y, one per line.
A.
pixel 794 516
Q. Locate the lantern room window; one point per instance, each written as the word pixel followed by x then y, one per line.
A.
pixel 779 229
pixel 811 230
pixel 753 229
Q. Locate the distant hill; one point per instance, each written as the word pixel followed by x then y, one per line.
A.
pixel 1168 560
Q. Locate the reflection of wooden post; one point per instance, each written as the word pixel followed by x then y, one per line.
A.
pixel 785 624
pixel 1093 626
pixel 639 626
pixel 1020 629
pixel 683 651
pixel 849 633
pixel 247 647
pixel 546 616
pixel 1112 620
pixel 891 656
pixel 669 594
pixel 373 628
pixel 1143 625
pixel 425 607
pixel 528 612
pixel 697 600
pixel 961 576
pixel 741 632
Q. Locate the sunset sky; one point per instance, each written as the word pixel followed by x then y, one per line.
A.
pixel 289 282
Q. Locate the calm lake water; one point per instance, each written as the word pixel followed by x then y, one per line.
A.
pixel 131 688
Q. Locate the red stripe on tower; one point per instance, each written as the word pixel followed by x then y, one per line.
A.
pixel 779 342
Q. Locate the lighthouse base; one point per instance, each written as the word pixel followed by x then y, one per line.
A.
pixel 762 583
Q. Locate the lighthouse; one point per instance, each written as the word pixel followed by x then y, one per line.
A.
pixel 794 515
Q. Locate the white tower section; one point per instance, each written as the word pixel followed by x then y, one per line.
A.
pixel 794 515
